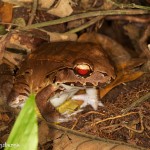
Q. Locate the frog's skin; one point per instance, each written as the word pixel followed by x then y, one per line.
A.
pixel 48 69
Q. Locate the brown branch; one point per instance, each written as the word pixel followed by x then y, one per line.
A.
pixel 84 115
pixel 86 25
pixel 33 12
pixel 115 117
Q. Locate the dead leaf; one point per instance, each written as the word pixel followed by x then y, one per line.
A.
pixel 6 11
pixel 57 37
pixel 46 3
pixel 61 9
pixel 122 77
pixel 69 141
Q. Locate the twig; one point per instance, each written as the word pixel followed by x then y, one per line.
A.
pixel 88 14
pixel 141 124
pixel 86 25
pixel 132 5
pixel 115 117
pixel 84 115
pixel 137 102
pixel 33 12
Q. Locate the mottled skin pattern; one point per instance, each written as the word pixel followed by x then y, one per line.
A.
pixel 54 63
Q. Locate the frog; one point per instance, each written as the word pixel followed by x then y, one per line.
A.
pixel 56 71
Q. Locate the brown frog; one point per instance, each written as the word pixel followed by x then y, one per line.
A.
pixel 57 71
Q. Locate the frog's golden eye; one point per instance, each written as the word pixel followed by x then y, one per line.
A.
pixel 83 70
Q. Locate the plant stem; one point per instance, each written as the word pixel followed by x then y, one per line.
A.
pixel 86 25
pixel 33 12
pixel 88 14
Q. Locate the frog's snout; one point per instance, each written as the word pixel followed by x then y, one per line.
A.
pixel 15 99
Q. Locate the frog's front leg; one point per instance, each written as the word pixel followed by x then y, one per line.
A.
pixel 19 93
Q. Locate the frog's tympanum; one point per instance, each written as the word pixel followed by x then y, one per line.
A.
pixel 57 71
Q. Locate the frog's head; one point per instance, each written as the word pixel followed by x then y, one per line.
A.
pixel 89 66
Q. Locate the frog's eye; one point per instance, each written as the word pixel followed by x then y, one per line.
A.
pixel 83 70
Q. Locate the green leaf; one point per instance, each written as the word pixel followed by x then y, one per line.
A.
pixel 24 134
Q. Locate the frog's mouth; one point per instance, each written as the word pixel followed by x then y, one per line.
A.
pixel 90 97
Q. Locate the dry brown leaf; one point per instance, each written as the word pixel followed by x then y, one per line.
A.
pixel 57 37
pixel 74 142
pixel 122 77
pixel 6 11
pixel 46 3
pixel 61 9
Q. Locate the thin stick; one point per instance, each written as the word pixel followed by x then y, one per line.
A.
pixel 88 14
pixel 86 25
pixel 136 103
pixel 33 12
